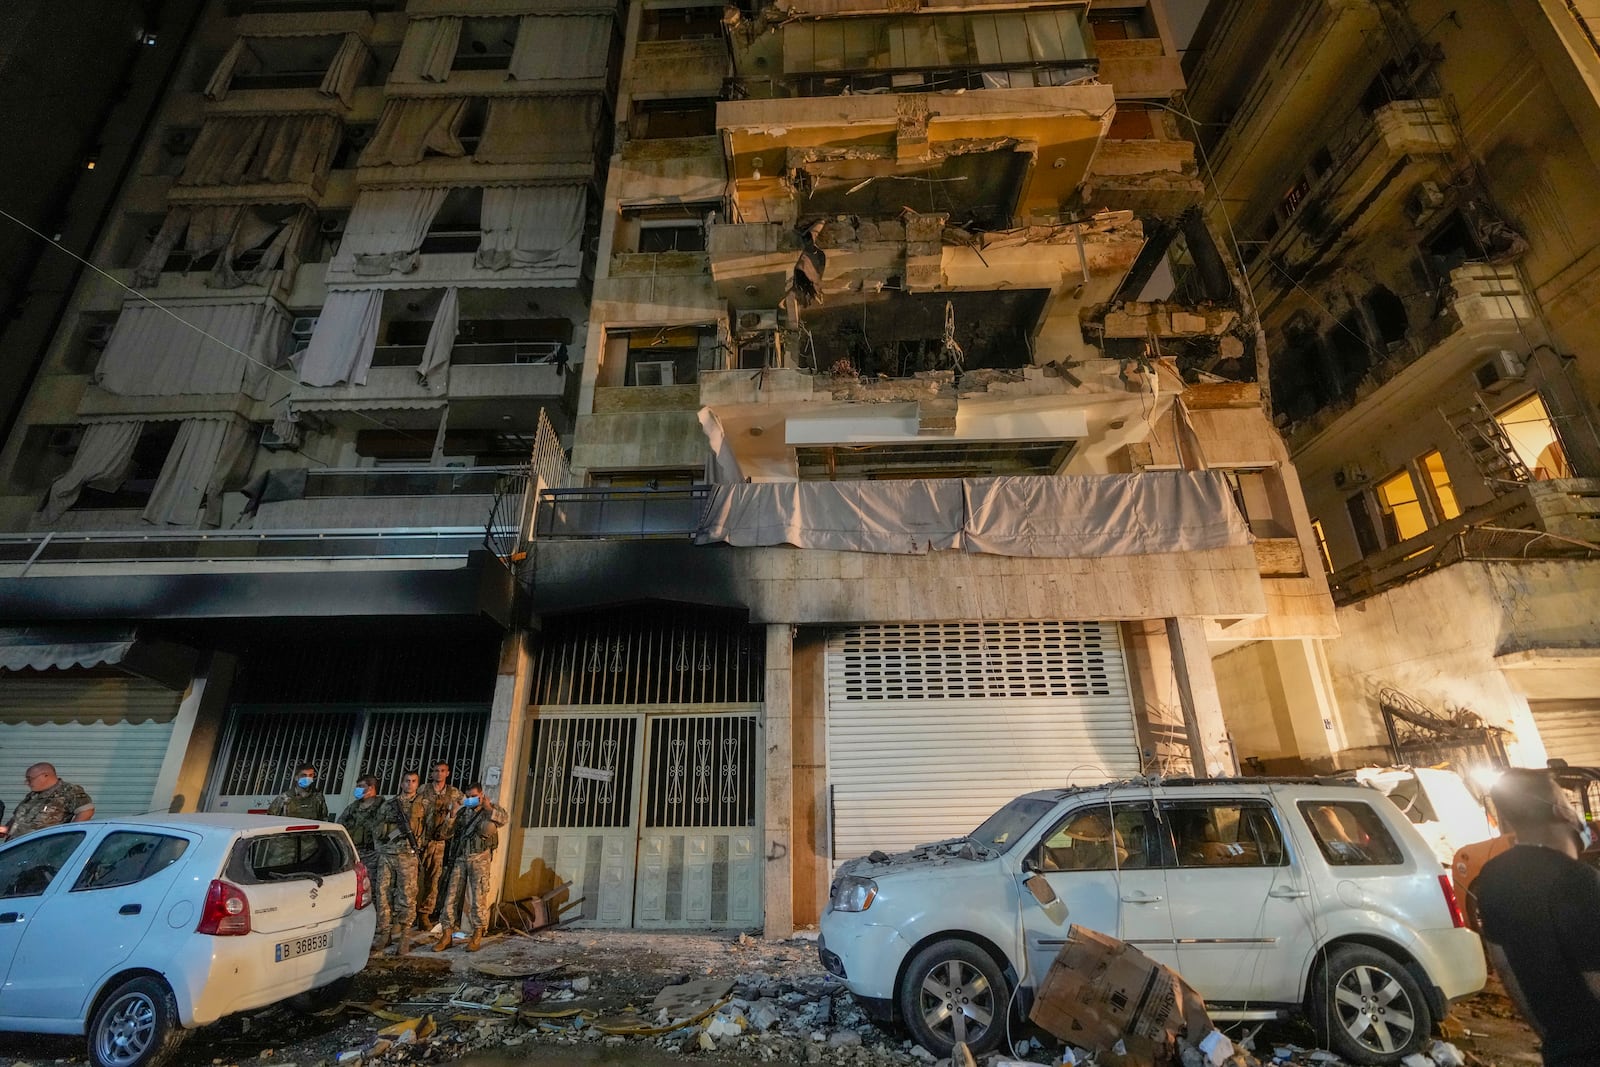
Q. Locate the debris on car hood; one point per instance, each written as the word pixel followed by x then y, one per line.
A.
pixel 937 853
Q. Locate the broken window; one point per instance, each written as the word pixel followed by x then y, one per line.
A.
pixel 655 119
pixel 457 225
pixel 1228 834
pixel 670 355
pixel 673 228
pixel 1350 834
pixel 1533 437
pixel 700 23
pixel 149 456
pixel 1103 838
pixel 485 44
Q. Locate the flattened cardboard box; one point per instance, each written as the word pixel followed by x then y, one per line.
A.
pixel 1100 991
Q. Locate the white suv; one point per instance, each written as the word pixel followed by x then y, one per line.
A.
pixel 130 930
pixel 1268 896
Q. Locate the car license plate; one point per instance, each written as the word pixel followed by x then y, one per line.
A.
pixel 300 946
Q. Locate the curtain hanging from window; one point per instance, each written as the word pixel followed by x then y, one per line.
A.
pixel 345 70
pixel 102 462
pixel 442 335
pixel 341 346
pixel 428 51
pixel 238 60
pixel 201 460
pixel 189 348
pixel 251 149
pixel 538 129
pixel 561 46
pixel 385 230
pixel 409 129
pixel 232 230
pixel 532 226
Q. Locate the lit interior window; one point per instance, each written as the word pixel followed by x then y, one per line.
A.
pixel 1439 478
pixel 1533 437
pixel 1402 510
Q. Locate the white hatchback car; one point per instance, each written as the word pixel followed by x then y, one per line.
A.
pixel 130 930
pixel 1268 896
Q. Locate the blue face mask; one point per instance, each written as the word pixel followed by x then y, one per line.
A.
pixel 469 802
pixel 305 783
pixel 359 791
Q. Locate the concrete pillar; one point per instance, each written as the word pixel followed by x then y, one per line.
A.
pixel 810 864
pixel 505 742
pixel 777 881
pixel 1312 709
pixel 181 785
pixel 1209 745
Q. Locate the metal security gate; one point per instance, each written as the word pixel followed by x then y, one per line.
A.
pixel 931 727
pixel 264 744
pixel 1570 730
pixel 653 817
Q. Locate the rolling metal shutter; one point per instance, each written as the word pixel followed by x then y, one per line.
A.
pixel 931 727
pixel 107 733
pixel 1570 729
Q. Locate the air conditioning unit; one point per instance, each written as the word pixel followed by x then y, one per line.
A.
pixel 757 321
pixel 273 441
pixel 64 440
pixel 1425 201
pixel 98 335
pixel 655 372
pixel 304 326
pixel 1350 474
pixel 1501 371
pixel 332 225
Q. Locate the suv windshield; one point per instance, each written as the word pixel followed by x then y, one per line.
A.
pixel 1005 827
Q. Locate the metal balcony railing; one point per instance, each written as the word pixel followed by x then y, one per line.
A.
pixel 475 354
pixel 401 481
pixel 238 545
pixel 620 513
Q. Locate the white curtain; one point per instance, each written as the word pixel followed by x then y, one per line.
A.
pixel 442 335
pixel 239 60
pixel 532 226
pixel 409 129
pixel 386 228
pixel 102 462
pixel 428 51
pixel 345 70
pixel 249 149
pixel 190 348
pixel 561 46
pixel 148 272
pixel 233 231
pixel 341 346
pixel 201 459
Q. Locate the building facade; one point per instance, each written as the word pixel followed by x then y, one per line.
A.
pixel 1413 209
pixel 743 436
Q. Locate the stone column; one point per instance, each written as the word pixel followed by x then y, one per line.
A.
pixel 196 732
pixel 1209 745
pixel 777 874
pixel 504 747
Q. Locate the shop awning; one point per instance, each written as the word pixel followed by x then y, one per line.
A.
pixel 43 648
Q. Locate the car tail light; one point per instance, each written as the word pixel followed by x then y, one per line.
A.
pixel 1451 902
pixel 363 886
pixel 226 912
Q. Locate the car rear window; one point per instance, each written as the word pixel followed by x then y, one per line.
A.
pixel 291 854
pixel 1350 834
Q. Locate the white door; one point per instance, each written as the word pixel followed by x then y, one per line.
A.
pixel 108 734
pixel 32 873
pixel 97 918
pixel 1105 863
pixel 1241 908
pixel 933 727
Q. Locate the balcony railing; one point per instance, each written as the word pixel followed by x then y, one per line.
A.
pixel 620 513
pixel 221 546
pixel 421 481
pixel 475 354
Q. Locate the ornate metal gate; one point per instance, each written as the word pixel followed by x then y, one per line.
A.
pixel 1422 737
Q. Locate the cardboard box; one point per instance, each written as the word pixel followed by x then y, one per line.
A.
pixel 1101 991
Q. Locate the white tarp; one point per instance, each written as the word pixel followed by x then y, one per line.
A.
pixel 532 227
pixel 341 345
pixel 1081 516
pixel 386 228
pixel 181 349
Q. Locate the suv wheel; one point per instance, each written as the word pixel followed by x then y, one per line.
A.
pixel 954 991
pixel 136 1025
pixel 1368 1007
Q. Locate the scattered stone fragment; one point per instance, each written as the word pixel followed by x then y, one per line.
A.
pixel 706 1042
pixel 1445 1054
pixel 845 1039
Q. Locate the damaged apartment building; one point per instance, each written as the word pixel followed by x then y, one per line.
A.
pixel 744 437
pixel 1415 211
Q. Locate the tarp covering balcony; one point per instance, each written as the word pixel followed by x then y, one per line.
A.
pixel 1073 517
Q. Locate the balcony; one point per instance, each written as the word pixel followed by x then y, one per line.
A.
pixel 623 514
pixel 477 371
pixel 682 68
pixel 1557 519
pixel 380 497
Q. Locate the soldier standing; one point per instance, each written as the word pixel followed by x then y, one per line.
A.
pixel 441 800
pixel 400 832
pixel 50 802
pixel 472 843
pixel 361 819
pixel 302 800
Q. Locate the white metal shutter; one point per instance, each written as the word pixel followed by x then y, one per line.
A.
pixel 107 733
pixel 1570 729
pixel 931 727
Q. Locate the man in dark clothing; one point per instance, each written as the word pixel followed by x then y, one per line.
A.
pixel 1538 905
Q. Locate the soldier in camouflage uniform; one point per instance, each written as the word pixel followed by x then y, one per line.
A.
pixel 441 799
pixel 302 800
pixel 361 819
pixel 473 838
pixel 400 833
pixel 50 802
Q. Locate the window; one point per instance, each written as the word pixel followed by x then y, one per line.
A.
pixel 1252 495
pixel 670 355
pixel 1445 505
pixel 678 228
pixel 457 225
pixel 1400 508
pixel 1322 545
pixel 127 857
pixel 1350 834
pixel 149 456
pixel 1361 522
pixel 681 24
pixel 674 118
pixel 295 854
pixel 485 44
pixel 28 867
pixel 1227 834
pixel 1528 425
pixel 1122 837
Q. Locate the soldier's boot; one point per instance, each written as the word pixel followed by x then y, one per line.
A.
pixel 384 937
pixel 403 936
pixel 475 942
pixel 445 936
